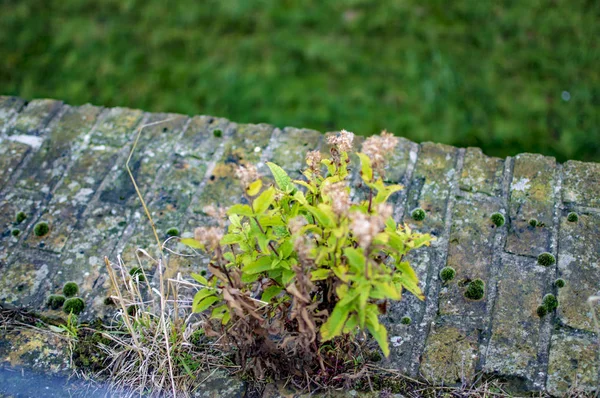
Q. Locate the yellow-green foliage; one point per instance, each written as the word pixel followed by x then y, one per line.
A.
pixel 312 250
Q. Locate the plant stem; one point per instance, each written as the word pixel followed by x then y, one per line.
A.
pixel 270 243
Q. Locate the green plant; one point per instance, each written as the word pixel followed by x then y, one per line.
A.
pixel 475 290
pixel 217 133
pixel 550 302
pixel 70 289
pixel 71 327
pixel 447 274
pixel 559 283
pixel 15 232
pixel 572 217
pixel 303 260
pixel 406 320
pixel 73 305
pixel 55 301
pixel 541 311
pixel 546 259
pixel 497 219
pixel 20 217
pixel 533 222
pixel 41 229
pixel 418 214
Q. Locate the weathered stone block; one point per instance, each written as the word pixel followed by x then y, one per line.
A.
pixel 481 174
pixel 579 266
pixel 35 349
pixel 35 117
pixel 289 149
pixel 48 164
pixel 11 156
pixel 573 365
pixel 514 343
pixel 25 279
pixel 581 183
pixel 117 127
pixel 16 201
pixel 9 107
pixel 531 196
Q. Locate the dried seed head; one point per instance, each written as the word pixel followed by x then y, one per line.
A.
pixel 340 197
pixel 218 213
pixel 208 236
pixel 365 227
pixel 246 174
pixel 376 147
pixel 313 160
pixel 342 141
pixel 296 223
pixel 385 211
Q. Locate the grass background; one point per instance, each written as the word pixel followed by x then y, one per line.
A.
pixel 507 76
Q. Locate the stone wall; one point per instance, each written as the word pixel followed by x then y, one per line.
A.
pixel 65 165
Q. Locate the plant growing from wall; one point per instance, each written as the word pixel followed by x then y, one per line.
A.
pixel 302 264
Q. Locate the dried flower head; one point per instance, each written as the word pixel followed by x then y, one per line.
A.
pixel 377 146
pixel 247 174
pixel 342 141
pixel 340 197
pixel 218 213
pixel 296 223
pixel 385 210
pixel 365 227
pixel 313 160
pixel 208 236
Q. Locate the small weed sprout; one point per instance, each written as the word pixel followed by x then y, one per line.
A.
pixel 497 219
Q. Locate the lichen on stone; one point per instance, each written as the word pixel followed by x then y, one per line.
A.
pixel 41 229
pixel 70 289
pixel 546 259
pixel 497 219
pixel 418 214
pixel 73 305
pixel 475 290
pixel 447 274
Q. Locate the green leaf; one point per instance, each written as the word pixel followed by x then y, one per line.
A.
pixel 262 264
pixel 335 323
pixel 242 210
pixel 204 303
pixel 200 279
pixel 365 292
pixel 321 216
pixel 408 278
pixel 270 221
pixel 286 248
pixel 254 188
pixel 287 276
pixel 284 182
pixel 351 324
pixel 262 203
pixel 307 185
pixel 193 243
pixel 231 239
pixel 356 258
pixel 378 331
pixel 320 274
pixel 383 194
pixel 270 292
pixel 219 312
pixel 365 167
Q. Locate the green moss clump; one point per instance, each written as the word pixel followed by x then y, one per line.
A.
pixel 41 229
pixel 15 232
pixel 20 217
pixel 70 289
pixel 542 311
pixel 74 305
pixel 546 259
pixel 173 232
pixel 418 214
pixel 137 273
pixel 218 133
pixel 109 301
pixel 497 219
pixel 447 274
pixel 572 217
pixel 406 320
pixel 533 222
pixel 55 301
pixel 203 272
pixel 550 302
pixel 559 283
pixel 475 290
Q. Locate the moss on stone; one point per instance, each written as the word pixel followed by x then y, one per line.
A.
pixel 406 320
pixel 418 214
pixel 559 283
pixel 137 273
pixel 41 229
pixel 542 311
pixel 15 232
pixel 447 274
pixel 497 219
pixel 70 289
pixel 572 217
pixel 475 290
pixel 55 301
pixel 74 305
pixel 533 222
pixel 20 217
pixel 173 232
pixel 546 259
pixel 550 302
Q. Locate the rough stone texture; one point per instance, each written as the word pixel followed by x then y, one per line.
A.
pixel 66 165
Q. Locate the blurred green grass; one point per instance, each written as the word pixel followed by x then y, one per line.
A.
pixel 465 72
